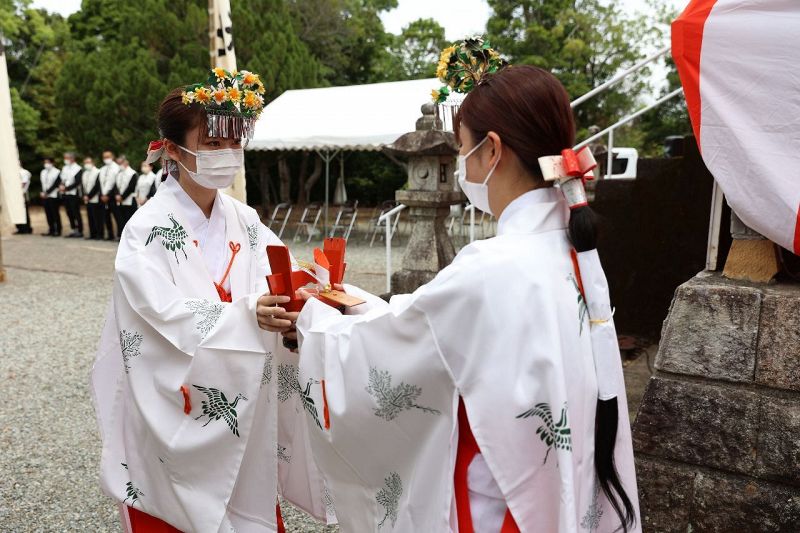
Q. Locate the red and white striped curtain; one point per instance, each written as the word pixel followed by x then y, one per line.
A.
pixel 739 63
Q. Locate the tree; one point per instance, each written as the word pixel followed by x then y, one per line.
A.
pixel 122 61
pixel 583 42
pixel 35 43
pixel 346 36
pixel 415 52
pixel 274 49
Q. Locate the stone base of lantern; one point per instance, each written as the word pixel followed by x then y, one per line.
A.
pixel 430 248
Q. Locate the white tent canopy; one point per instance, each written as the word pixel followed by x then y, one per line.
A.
pixel 356 117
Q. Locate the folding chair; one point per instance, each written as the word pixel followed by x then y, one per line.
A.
pixel 313 211
pixel 376 223
pixel 276 213
pixel 345 219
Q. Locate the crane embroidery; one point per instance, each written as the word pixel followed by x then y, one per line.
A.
pixel 173 239
pixel 393 400
pixel 216 407
pixel 289 385
pixel 132 493
pixel 556 434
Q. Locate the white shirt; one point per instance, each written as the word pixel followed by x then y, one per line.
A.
pixel 89 178
pixel 124 177
pixel 143 185
pixel 49 177
pixel 210 232
pixel 68 173
pixel 25 178
pixel 108 178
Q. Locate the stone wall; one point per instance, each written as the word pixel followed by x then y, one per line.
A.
pixel 717 437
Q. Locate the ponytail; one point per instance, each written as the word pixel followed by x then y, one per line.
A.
pixel 583 234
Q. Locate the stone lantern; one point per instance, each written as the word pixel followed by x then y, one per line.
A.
pixel 430 159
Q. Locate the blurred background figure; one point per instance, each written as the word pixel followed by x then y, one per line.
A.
pixel 108 185
pixel 91 197
pixel 126 191
pixel 145 185
pixel 25 180
pixel 50 177
pixel 70 191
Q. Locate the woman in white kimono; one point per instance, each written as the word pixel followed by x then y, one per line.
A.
pixel 491 399
pixel 183 382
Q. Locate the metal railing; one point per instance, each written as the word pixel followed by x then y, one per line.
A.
pixel 613 81
pixel 610 130
pixel 619 77
pixel 386 218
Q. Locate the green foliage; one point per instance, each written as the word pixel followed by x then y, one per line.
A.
pixel 583 42
pixel 122 61
pixel 26 120
pixel 347 38
pixel 415 52
pixel 35 43
pixel 271 47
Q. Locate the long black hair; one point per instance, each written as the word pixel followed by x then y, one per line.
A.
pixel 529 109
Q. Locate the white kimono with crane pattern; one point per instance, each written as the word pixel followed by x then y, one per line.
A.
pixel 506 328
pixel 185 386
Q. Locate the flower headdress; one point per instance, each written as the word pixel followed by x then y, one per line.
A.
pixel 233 102
pixel 463 65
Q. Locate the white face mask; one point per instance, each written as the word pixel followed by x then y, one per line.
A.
pixel 108 161
pixel 67 162
pixel 48 166
pixel 477 193
pixel 88 166
pixel 216 169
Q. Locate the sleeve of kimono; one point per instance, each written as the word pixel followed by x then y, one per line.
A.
pixel 377 397
pixel 193 372
pixel 181 321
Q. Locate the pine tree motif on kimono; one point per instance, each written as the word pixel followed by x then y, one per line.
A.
pixel 173 239
pixel 216 407
pixel 208 312
pixel 393 400
pixel 282 455
pixel 591 520
pixel 252 235
pixel 266 373
pixel 389 497
pixel 327 501
pixel 583 309
pixel 130 343
pixel 289 385
pixel 552 434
